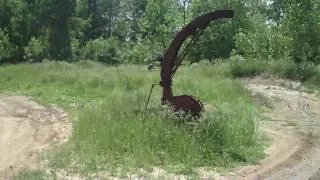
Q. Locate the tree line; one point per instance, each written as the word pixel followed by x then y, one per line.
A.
pixel 130 31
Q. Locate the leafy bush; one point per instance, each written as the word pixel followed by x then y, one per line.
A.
pixel 285 68
pixel 305 52
pixel 271 45
pixel 279 45
pixel 139 53
pixel 314 81
pixel 288 69
pixel 103 50
pixel 35 51
pixel 78 27
pixel 6 48
pixel 76 49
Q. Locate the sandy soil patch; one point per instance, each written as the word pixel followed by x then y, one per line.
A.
pixel 26 128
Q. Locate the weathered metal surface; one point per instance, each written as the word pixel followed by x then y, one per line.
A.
pixel 172 61
pixel 189 104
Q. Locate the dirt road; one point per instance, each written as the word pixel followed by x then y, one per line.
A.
pixel 26 128
pixel 294 126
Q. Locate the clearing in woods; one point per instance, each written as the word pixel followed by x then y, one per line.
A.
pixel 293 124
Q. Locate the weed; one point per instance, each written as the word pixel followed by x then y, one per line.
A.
pixel 305 72
pixel 247 68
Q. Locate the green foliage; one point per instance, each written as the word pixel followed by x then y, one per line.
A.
pixel 139 53
pixel 78 27
pixel 218 39
pixel 35 51
pixel 290 70
pixel 285 68
pixel 314 81
pixel 246 67
pixel 59 38
pixel 262 41
pixel 30 175
pixel 244 45
pixel 113 133
pixel 266 30
pixel 22 21
pixel 280 45
pixel 6 48
pixel 231 133
pixel 303 28
pixel 159 23
pixel 103 50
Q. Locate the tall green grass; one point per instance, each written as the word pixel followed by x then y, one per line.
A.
pixel 113 133
pixel 32 175
pixel 305 72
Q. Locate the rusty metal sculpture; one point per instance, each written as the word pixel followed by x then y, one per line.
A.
pixel 173 59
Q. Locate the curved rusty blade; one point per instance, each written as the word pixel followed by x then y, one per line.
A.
pixel 170 57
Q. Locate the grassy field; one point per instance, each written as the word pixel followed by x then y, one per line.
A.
pixel 112 132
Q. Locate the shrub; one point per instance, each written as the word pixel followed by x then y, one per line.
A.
pixel 35 51
pixel 241 67
pixel 76 49
pixel 6 48
pixel 140 52
pixel 314 81
pixel 103 50
pixel 288 69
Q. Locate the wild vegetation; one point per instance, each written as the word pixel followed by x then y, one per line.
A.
pixel 120 31
pixel 112 131
pixel 75 40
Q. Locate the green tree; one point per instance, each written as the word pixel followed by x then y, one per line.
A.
pixel 6 48
pixel 218 39
pixel 22 21
pixel 59 39
pixel 302 25
pixel 93 15
pixel 129 14
pixel 159 23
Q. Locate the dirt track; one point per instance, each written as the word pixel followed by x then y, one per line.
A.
pixel 26 128
pixel 294 126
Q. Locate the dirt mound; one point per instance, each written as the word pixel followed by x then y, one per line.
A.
pixel 26 128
